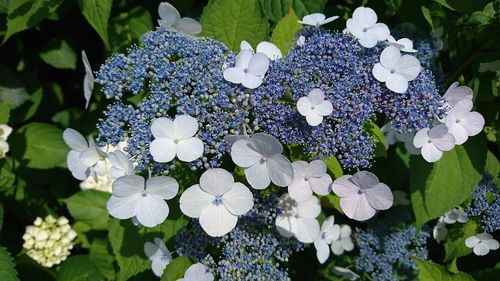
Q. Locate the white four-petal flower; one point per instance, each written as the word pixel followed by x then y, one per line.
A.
pixel 197 272
pixel 314 107
pixel 482 243
pixel 363 25
pixel 329 232
pixel 362 194
pixel 433 142
pixel 439 231
pixel 159 255
pixel 463 123
pixel 396 70
pixel 264 47
pixel 260 156
pixel 146 201
pixel 175 138
pixel 249 69
pixel 317 19
pixel 344 242
pixel 170 18
pixel 84 159
pixel 403 44
pixel 298 218
pixel 308 178
pixel 455 215
pixel 217 201
pixel 88 80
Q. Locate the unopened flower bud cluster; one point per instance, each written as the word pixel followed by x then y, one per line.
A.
pixel 49 241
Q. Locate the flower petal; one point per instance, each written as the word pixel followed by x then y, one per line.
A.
pixel 257 175
pixel 75 140
pixel 310 208
pixel 322 185
pixel 380 197
pixel 251 81
pixel 217 221
pixel 168 13
pixel 151 210
pixel 481 249
pixel 322 250
pixel 300 189
pixel 280 170
pixel 364 179
pixel 421 137
pixel 408 67
pixel 313 19
pixel 491 243
pixel 314 119
pixel 216 181
pixel 162 186
pixel 397 83
pixel 243 153
pixel 380 72
pixel 128 186
pixel 243 59
pixel 316 168
pixel 285 225
pixel 238 200
pixel 357 207
pixel 431 153
pixel 330 19
pixel 354 28
pixel 389 57
pixel 337 248
pixel 445 143
pixel 158 266
pixel 245 46
pixel 304 106
pixel 163 150
pixel 344 187
pixel 90 156
pixel 193 200
pixel 270 50
pixel 122 207
pixel 258 64
pixel 325 108
pixel 300 169
pixel 380 31
pixel 456 93
pixel 190 149
pixel 234 75
pixel 316 96
pixel 265 144
pixel 458 131
pixel 365 16
pixel 163 128
pixel 473 123
pixel 368 40
pixel 185 127
pixel 307 230
pixel 76 166
pixel 120 164
pixel 188 26
pixel 347 243
pixel 472 241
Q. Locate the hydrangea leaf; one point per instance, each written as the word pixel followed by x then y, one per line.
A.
pixel 462 6
pixel 59 54
pixel 1 217
pixel 439 187
pixel 492 164
pixel 8 271
pixel 331 201
pixel 274 10
pixel 454 244
pixel 232 21
pixel 12 88
pixel 128 27
pixel 78 268
pixel 100 254
pixel 89 206
pixel 7 177
pixel 377 137
pixel 176 268
pixel 284 32
pixel 333 166
pixel 4 112
pixel 429 271
pixel 97 13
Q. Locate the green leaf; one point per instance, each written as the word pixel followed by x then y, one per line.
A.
pixel 7 177
pixel 454 244
pixel 7 268
pixel 12 89
pixel 274 10
pixel 333 166
pixel 427 15
pixel 127 28
pixel 331 201
pixel 78 268
pixel 429 271
pixel 59 54
pixel 232 21
pixel 100 254
pixel 1 217
pixel 462 6
pixel 176 268
pixel 377 137
pixel 97 13
pixel 45 147
pixel 89 206
pixel 284 32
pixel 4 112
pixel 492 164
pixel 439 187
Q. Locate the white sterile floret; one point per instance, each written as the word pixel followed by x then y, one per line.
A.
pixel 144 200
pixel 308 178
pixel 314 107
pixel 170 18
pixel 455 215
pixel 363 25
pixel 298 218
pixel 440 231
pixel 361 195
pixel 345 272
pixel 84 159
pixel 159 255
pixel 317 19
pixel 329 232
pixel 396 70
pixel 260 156
pixel 463 123
pixel 456 93
pixel 175 138
pixel 217 201
pixel 301 41
pixel 482 243
pixel 5 131
pixel 433 142
pixel 88 80
pixel 197 272
pixel 49 241
pixel 264 47
pixel 344 242
pixel 403 44
pixel 249 69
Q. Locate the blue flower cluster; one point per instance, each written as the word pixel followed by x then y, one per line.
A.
pixel 485 204
pixel 337 64
pixel 387 253
pixel 252 251
pixel 171 74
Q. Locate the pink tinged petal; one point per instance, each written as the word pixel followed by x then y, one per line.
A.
pixel 337 248
pixel 389 57
pixel 380 197
pixel 322 250
pixel 380 31
pixel 357 207
pixel 185 127
pixel 330 19
pixel 168 13
pixel 481 249
pixel 76 166
pixel 325 108
pixel 309 208
pixel 188 26
pixel 365 16
pixel 431 153
pixel 163 128
pixel 238 200
pixel 347 243
pixel 245 46
pixel 193 200
pixel 458 131
pixel 304 106
pixel 190 149
pixel 445 143
pixel 408 67
pixel 364 179
pixel 243 59
pixel 151 210
pixel 354 28
pixel 234 75
pixel 313 19
pixel 314 119
pixel 75 140
pixel 128 185
pixel 421 138
pixel 162 186
pixel 472 241
pixel 280 170
pixel 368 40
pixel 243 154
pixel 316 96
pixel 307 230
pixel 265 144
pixel 123 207
pixel 473 123
pixel 163 150
pixel 270 50
pixel 251 81
pixel 285 225
pixel 258 64
pixel 322 185
pixel 397 83
pixel 216 181
pixel 380 72
pixel 343 187
pixel 217 221
pixel 300 190
pixel 90 156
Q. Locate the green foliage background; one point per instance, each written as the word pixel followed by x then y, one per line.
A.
pixel 41 93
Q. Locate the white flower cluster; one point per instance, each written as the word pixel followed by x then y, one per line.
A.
pixel 49 241
pixel 5 131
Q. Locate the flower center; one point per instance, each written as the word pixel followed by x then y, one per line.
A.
pixel 176 141
pixel 457 121
pixel 323 235
pixel 312 107
pixel 245 70
pixel 217 200
pixel 393 71
pixel 263 160
pixel 429 141
pixel 365 29
pixel 361 191
pixel 144 193
pixel 306 178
